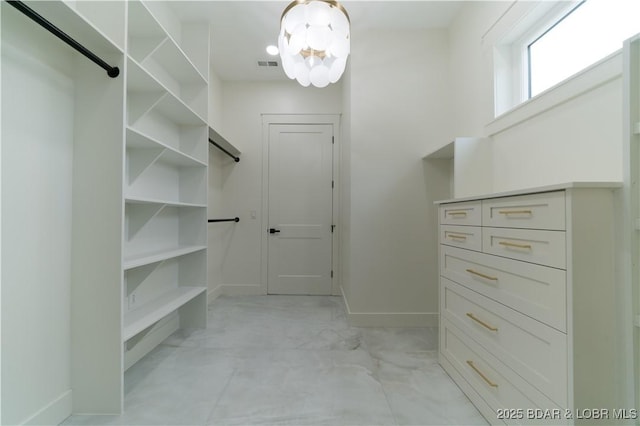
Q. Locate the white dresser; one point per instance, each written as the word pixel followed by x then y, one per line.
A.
pixel 527 303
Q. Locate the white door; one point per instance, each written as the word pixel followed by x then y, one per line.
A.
pixel 300 208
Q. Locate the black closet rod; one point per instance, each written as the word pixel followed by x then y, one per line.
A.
pixel 237 159
pixel 235 219
pixel 111 71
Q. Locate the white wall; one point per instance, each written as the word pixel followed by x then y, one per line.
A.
pixel 579 140
pixel 241 183
pixel 217 233
pixel 344 184
pixel 400 109
pixel 471 67
pixel 215 102
pixel 576 139
pixel 218 163
pixel 37 155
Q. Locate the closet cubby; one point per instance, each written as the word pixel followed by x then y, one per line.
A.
pixel 152 229
pixel 159 54
pixel 160 297
pixel 146 94
pixel 155 290
pixel 161 117
pixel 161 174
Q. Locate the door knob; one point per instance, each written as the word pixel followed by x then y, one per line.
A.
pixel 273 230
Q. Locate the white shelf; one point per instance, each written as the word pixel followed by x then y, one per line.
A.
pixel 444 152
pixel 138 140
pixel 148 314
pixel 147 258
pixel 155 51
pixel 106 17
pixel 143 200
pixel 76 26
pixel 148 93
pixel 224 143
pixel 171 57
pixel 141 79
pixel 142 25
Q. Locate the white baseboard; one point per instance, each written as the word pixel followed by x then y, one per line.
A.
pixel 214 294
pixel 55 412
pixel 242 290
pixel 235 290
pixel 390 319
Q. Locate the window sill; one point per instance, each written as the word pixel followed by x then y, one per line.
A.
pixel 590 78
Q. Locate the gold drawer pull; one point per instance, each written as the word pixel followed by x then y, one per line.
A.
pixel 482 323
pixel 471 271
pixel 489 382
pixel 508 244
pixel 457 213
pixel 456 237
pixel 508 212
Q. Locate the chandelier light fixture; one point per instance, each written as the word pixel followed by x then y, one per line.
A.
pixel 314 41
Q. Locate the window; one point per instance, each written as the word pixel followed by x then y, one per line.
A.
pixel 587 33
pixel 541 43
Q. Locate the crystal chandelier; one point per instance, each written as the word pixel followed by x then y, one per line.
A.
pixel 314 41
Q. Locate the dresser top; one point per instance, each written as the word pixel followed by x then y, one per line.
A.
pixel 535 190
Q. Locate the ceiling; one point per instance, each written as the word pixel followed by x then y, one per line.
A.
pixel 241 30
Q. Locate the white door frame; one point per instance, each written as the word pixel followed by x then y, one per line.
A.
pixel 267 120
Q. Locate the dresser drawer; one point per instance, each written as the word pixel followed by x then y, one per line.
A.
pixel 537 291
pixel 536 351
pixel 469 213
pixel 498 385
pixel 541 247
pixel 469 237
pixel 536 211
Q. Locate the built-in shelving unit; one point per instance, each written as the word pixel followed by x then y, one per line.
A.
pixel 165 195
pixel 140 220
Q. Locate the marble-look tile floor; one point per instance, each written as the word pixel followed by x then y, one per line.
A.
pixel 290 360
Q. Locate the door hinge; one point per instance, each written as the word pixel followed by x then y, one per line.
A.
pixel 332 228
pixel 331 274
pixel 333 139
pixel 333 184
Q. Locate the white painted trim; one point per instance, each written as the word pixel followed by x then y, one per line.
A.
pixel 55 412
pixel 390 319
pixel 602 72
pixel 241 290
pixel 536 189
pixel 214 294
pixel 334 120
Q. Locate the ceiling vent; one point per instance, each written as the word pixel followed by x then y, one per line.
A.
pixel 267 63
